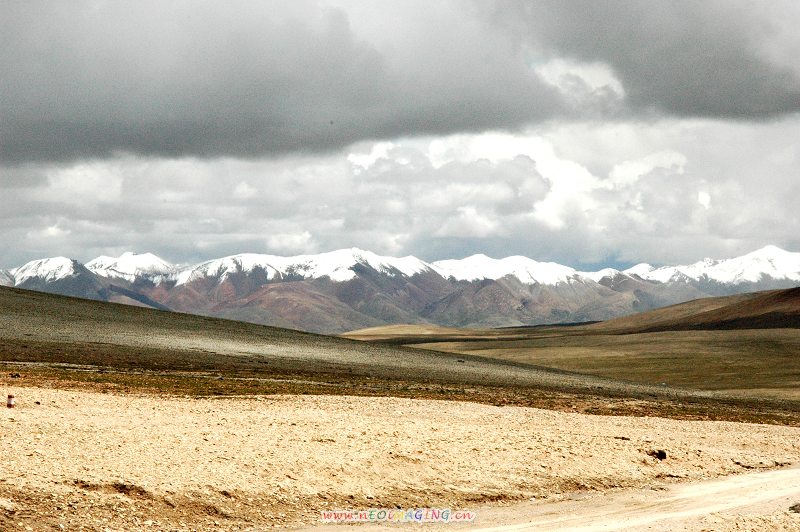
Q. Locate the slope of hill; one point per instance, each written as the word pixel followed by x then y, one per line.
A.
pixel 742 345
pixel 775 309
pixel 39 327
pixel 351 288
pixel 65 341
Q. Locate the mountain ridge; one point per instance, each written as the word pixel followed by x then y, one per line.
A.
pixel 352 288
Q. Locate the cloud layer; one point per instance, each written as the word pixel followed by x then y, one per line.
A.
pixel 88 79
pixel 664 192
pixel 718 59
pixel 583 132
pixel 189 78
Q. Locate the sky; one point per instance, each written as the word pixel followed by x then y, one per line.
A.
pixel 586 133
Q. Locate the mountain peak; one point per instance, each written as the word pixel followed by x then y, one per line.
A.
pixel 49 270
pixel 769 262
pixel 130 265
pixel 601 274
pixel 527 270
pixel 768 252
pixel 336 265
pixel 640 269
pixel 307 292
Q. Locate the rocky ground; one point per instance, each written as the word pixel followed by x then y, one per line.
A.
pixel 84 460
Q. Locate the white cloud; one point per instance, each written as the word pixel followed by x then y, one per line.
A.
pixel 51 231
pixel 467 222
pixel 362 160
pixel 664 191
pixel 244 191
pixel 290 243
pixel 82 183
pixel 55 230
pixel 627 172
pixel 563 73
pixel 704 199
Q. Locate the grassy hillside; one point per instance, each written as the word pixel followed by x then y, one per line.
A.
pixel 63 341
pixel 773 309
pixel 743 345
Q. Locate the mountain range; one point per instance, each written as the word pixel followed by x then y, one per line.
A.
pixel 351 288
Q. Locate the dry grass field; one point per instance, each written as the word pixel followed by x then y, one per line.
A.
pixel 688 346
pixel 66 342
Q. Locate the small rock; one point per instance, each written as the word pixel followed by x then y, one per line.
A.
pixel 795 508
pixel 660 454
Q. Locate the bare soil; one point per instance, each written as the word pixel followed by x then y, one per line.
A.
pixel 108 461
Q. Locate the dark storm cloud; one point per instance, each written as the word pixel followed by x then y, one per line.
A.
pixel 684 58
pixel 88 79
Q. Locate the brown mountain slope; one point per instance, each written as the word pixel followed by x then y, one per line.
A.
pixel 774 309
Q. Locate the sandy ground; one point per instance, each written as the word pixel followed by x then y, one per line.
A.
pixel 752 501
pixel 97 461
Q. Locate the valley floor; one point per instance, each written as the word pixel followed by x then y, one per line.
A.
pixel 111 461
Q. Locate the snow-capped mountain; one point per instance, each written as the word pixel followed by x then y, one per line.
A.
pixel 131 266
pixel 527 271
pixel 602 274
pixel 353 288
pixel 46 270
pixel 642 270
pixel 769 262
pixel 6 279
pixel 335 265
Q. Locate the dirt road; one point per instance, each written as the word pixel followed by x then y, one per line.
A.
pixel 755 501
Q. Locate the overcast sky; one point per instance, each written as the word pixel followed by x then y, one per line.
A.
pixel 588 133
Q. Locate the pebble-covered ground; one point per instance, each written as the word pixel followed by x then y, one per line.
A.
pixel 97 461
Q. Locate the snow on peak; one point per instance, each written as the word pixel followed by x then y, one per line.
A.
pixel 49 270
pixel 528 271
pixel 130 266
pixel 226 266
pixel 769 261
pixel 598 275
pixel 6 279
pixel 641 269
pixel 771 253
pixel 335 265
pixel 341 265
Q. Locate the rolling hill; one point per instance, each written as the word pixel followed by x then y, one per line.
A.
pixel 775 309
pixel 45 328
pixel 740 345
pixel 57 341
